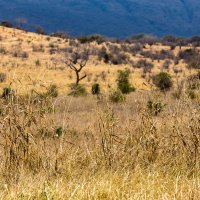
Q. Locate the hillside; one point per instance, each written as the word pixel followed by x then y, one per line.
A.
pixel 128 130
pixel 116 18
pixel 33 61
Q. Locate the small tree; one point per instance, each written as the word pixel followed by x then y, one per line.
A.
pixel 117 97
pixel 123 82
pixel 163 81
pixel 76 63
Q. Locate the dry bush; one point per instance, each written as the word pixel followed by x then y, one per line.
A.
pixel 116 58
pixel 133 49
pixel 166 64
pixel 62 35
pixel 144 64
pixel 120 58
pixel 73 43
pixel 38 48
pixel 67 50
pixel 3 50
pixel 162 55
pixel 20 54
pixel 113 48
pixel 193 81
pixel 188 54
pixel 92 148
pixel 103 76
pixel 2 77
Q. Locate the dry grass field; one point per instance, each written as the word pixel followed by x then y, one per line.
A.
pixel 89 147
pixel 29 64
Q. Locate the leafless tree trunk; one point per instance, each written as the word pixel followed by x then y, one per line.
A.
pixel 76 63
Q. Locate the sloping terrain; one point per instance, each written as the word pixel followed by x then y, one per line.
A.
pixel 145 145
pixel 33 61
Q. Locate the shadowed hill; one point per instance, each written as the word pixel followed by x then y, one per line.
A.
pixel 113 18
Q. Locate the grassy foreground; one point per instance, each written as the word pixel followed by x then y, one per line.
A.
pixel 86 148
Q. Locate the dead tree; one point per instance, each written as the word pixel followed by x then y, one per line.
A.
pixel 76 63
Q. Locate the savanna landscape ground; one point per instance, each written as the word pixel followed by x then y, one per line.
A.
pixel 59 146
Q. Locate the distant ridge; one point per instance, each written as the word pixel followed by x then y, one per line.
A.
pixel 116 18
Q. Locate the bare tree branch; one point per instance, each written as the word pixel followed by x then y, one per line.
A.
pixel 77 62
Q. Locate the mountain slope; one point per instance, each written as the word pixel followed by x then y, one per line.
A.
pixel 112 18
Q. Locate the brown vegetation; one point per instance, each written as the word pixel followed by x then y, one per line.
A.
pixel 112 145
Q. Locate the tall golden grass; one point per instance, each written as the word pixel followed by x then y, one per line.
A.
pixel 88 147
pixel 85 148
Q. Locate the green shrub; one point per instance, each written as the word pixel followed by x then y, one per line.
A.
pixel 3 50
pixel 177 93
pixel 37 63
pixel 163 81
pixel 117 97
pixel 155 107
pixel 193 81
pixel 6 24
pixel 78 90
pixel 7 92
pixel 123 82
pixel 194 63
pixel 59 131
pixel 107 57
pixel 192 94
pixel 90 38
pixel 52 91
pixel 95 89
pixel 1 111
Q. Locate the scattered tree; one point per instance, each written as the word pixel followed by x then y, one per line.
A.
pixel 76 63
